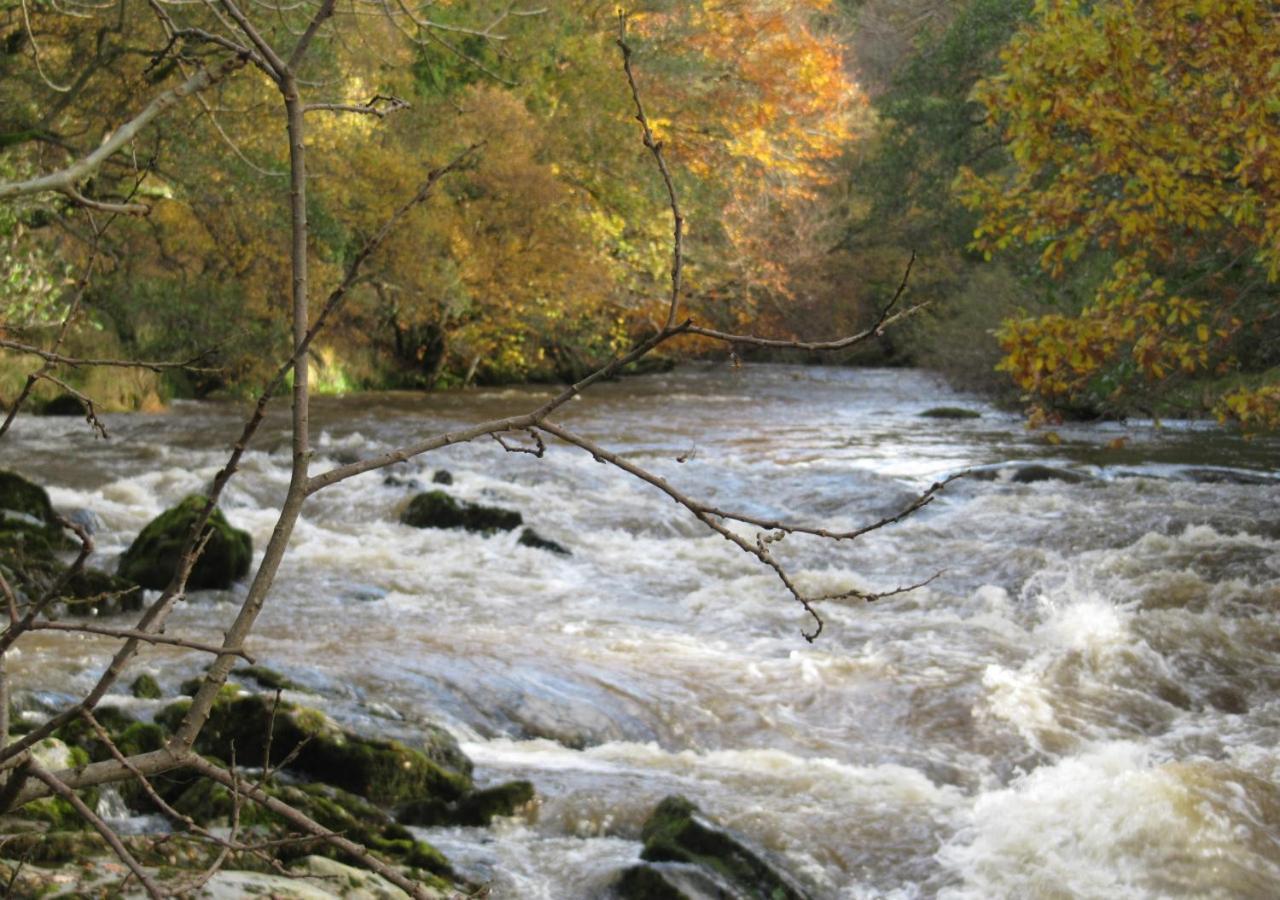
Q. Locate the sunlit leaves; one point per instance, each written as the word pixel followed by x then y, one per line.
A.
pixel 1144 130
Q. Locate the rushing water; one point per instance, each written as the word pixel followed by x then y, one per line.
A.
pixel 1085 703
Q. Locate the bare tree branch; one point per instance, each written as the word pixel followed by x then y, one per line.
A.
pixel 65 180
pixel 108 835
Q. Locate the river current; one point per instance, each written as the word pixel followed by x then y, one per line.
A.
pixel 1084 703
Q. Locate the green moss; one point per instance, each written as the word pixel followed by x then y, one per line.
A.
pixel 145 687
pixel 57 813
pixel 436 509
pixel 22 496
pixel 153 556
pixel 383 771
pixel 267 678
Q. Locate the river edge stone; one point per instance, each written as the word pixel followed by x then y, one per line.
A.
pixel 436 509
pixel 152 558
pixel 678 832
pixel 386 774
pixel 32 546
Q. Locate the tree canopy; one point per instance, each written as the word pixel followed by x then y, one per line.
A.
pixel 1143 139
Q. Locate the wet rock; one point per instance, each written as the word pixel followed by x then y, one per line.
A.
pixel 412 484
pixel 383 771
pixel 672 881
pixel 366 593
pixel 61 405
pixel 356 882
pixel 436 509
pixel 1026 473
pixel 950 412
pixel 1207 475
pixel 27 515
pixel 442 476
pixel 677 832
pixel 531 538
pixel 1228 700
pixel 267 678
pixel 31 540
pixel 145 687
pixel 103 594
pixel 152 558
pixel 474 809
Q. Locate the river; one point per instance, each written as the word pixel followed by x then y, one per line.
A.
pixel 1084 703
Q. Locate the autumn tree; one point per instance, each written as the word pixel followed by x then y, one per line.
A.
pixel 1144 140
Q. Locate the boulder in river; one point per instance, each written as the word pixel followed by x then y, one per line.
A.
pixel 436 509
pixel 152 558
pixel 677 832
pixel 31 539
pixel 382 771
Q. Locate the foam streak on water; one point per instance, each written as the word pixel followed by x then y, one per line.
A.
pixel 1084 704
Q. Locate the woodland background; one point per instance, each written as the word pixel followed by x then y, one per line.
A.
pixel 1089 189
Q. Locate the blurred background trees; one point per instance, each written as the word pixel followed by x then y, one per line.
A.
pixel 1089 187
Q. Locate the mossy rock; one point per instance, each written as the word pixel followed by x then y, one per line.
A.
pixel 268 678
pixel 145 687
pixel 383 771
pixel 950 412
pixel 101 593
pixel 436 509
pixel 474 809
pixel 19 495
pixel 152 558
pixel 677 832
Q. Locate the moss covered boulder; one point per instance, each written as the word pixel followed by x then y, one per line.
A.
pixel 32 545
pixel 383 771
pixel 152 558
pixel 677 832
pixel 436 509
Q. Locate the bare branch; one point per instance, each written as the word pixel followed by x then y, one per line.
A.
pixel 655 147
pixel 64 181
pixel 310 826
pixel 379 105
pixel 144 636
pixel 75 363
pixel 108 835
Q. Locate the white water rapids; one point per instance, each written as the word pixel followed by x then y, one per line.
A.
pixel 1086 702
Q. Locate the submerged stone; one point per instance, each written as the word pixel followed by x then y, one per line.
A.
pixel 531 538
pixel 436 509
pixel 677 832
pixel 475 809
pixel 31 541
pixel 152 558
pixel 950 412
